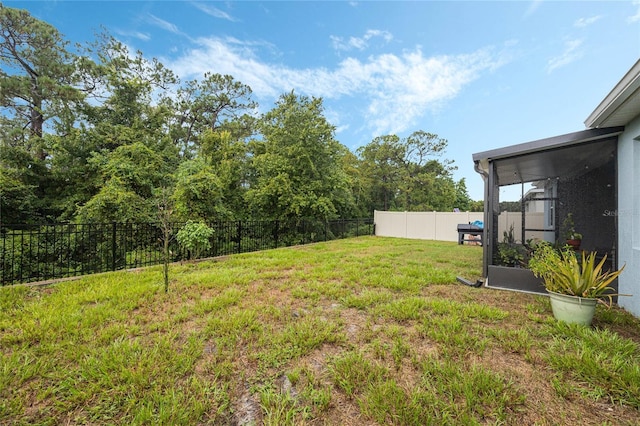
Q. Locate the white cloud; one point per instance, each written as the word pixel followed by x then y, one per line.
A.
pixel 228 56
pixel 396 88
pixel 213 11
pixel 404 88
pixel 570 54
pixel 359 43
pixel 533 6
pixel 134 34
pixel 585 22
pixel 635 18
pixel 165 25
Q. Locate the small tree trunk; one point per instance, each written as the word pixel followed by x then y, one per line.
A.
pixel 167 233
pixel 164 215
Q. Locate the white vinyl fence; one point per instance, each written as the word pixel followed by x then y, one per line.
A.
pixel 443 226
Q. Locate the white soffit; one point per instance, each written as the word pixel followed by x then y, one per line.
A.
pixel 621 105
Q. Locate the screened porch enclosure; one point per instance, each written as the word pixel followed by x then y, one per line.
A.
pixel 573 174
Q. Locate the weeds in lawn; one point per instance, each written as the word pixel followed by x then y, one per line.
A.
pixel 352 372
pixel 599 363
pixel 367 299
pixel 514 341
pixel 297 339
pixel 279 408
pixel 369 328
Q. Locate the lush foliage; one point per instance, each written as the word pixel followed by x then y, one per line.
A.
pixel 510 253
pixel 90 133
pixel 195 237
pixel 405 174
pixel 298 165
pixel 563 273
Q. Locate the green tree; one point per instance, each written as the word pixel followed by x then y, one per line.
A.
pixel 297 165
pixel 116 203
pixel 17 200
pixel 210 127
pixel 463 201
pixel 226 152
pixel 477 206
pixel 75 175
pixel 408 174
pixel 196 238
pixel 382 170
pixel 131 174
pixel 199 193
pixel 357 183
pixel 38 79
pixel 426 182
pixel 127 153
pixel 39 91
pixel 208 106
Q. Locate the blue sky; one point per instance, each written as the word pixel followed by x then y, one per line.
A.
pixel 480 74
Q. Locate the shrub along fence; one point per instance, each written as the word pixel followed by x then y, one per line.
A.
pixel 31 253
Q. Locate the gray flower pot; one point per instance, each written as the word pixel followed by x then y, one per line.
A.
pixel 572 309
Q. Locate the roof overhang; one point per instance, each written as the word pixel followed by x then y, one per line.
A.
pixel 621 105
pixel 560 156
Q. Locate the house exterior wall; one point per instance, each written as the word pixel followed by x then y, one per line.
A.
pixel 629 216
pixel 532 203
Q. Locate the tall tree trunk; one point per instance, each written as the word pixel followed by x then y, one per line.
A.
pixel 37 120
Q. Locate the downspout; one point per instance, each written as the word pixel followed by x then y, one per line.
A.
pixel 485 232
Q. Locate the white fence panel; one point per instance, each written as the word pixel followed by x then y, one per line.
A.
pixel 390 224
pixel 443 226
pixel 421 225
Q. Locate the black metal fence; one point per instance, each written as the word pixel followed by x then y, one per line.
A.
pixel 31 253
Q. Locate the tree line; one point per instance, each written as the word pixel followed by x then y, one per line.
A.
pixel 96 133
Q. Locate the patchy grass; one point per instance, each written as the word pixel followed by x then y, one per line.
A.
pixel 360 331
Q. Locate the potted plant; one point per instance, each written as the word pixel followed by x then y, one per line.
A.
pixel 574 286
pixel 573 238
pixel 509 252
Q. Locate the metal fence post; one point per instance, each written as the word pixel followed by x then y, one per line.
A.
pixel 276 232
pixel 239 241
pixel 113 246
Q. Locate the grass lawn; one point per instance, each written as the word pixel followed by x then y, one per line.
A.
pixel 361 331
